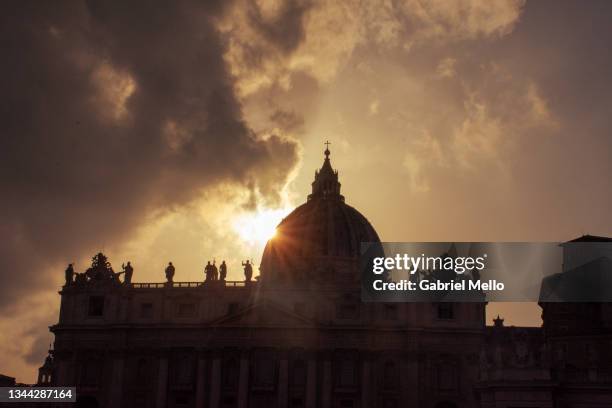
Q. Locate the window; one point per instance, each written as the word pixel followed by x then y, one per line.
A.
pixel 447 377
pixel 446 311
pixel 561 351
pixel 390 312
pixel 390 375
pixel 96 306
pixel 265 373
pixel 142 371
pixel 45 379
pixel 186 309
pixel 230 373
pixel 347 373
pixel 89 372
pixel 146 310
pixel 298 374
pixel 183 370
pixel 265 368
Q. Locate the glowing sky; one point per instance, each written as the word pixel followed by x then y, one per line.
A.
pixel 183 132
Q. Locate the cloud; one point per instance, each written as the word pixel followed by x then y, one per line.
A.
pixel 480 135
pixel 111 114
pixel 324 34
pixel 446 68
pixel 502 113
pixel 460 20
pixel 425 151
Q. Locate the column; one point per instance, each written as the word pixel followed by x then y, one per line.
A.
pixel 283 382
pixel 327 381
pixel 409 377
pixel 162 382
pixel 116 391
pixel 365 381
pixel 200 381
pixel 243 381
pixel 215 382
pixel 311 382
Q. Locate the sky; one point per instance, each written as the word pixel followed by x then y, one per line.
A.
pixel 184 131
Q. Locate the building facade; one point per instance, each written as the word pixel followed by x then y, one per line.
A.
pixel 300 337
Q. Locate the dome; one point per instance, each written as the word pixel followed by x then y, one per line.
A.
pixel 320 240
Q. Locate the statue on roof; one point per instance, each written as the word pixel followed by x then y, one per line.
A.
pixel 208 272
pixel 69 275
pixel 222 271
pixel 100 269
pixel 248 271
pixel 170 272
pixel 129 271
pixel 215 271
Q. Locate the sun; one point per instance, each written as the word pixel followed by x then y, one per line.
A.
pixel 256 228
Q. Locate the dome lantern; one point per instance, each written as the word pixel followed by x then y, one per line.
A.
pixel 326 184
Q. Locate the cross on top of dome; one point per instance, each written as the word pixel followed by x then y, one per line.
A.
pixel 326 184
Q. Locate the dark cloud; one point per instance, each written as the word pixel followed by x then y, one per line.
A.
pixel 288 120
pixel 284 28
pixel 110 111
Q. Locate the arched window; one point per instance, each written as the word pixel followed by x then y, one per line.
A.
pixel 390 375
pixel 265 370
pixel 184 370
pixel 298 374
pixel 96 306
pixel 142 371
pixel 230 373
pixel 90 370
pixel 448 379
pixel 347 373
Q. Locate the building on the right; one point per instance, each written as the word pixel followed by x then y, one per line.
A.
pixel 568 361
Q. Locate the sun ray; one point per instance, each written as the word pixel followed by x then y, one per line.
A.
pixel 256 228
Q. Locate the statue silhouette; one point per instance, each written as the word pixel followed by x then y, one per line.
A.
pixel 215 271
pixel 128 270
pixel 69 274
pixel 223 271
pixel 208 272
pixel 170 272
pixel 248 271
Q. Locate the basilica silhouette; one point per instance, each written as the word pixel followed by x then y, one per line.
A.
pixel 299 335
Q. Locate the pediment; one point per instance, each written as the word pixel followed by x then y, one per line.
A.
pixel 263 314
